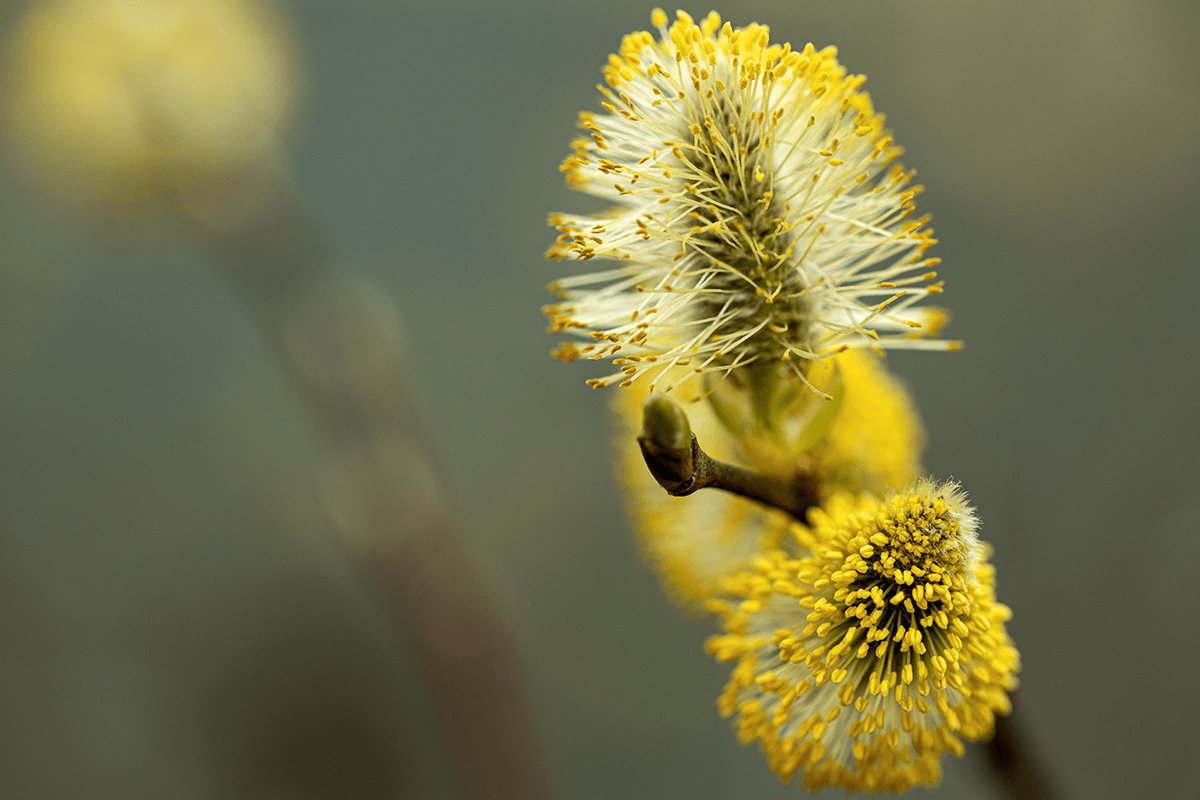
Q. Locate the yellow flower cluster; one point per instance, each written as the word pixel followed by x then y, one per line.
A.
pixel 764 260
pixel 119 102
pixel 760 213
pixel 861 662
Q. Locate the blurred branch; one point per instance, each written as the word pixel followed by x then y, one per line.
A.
pixel 341 341
pixel 1013 763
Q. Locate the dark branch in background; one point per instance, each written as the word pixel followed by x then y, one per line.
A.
pixel 339 338
pixel 680 466
pixel 1013 763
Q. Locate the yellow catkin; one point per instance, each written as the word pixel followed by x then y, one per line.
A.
pixel 876 439
pixel 119 102
pixel 757 209
pixel 944 641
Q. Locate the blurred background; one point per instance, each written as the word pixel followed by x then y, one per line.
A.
pixel 179 619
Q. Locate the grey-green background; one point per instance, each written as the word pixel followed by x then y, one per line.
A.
pixel 177 620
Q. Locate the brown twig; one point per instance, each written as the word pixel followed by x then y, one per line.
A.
pixel 684 470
